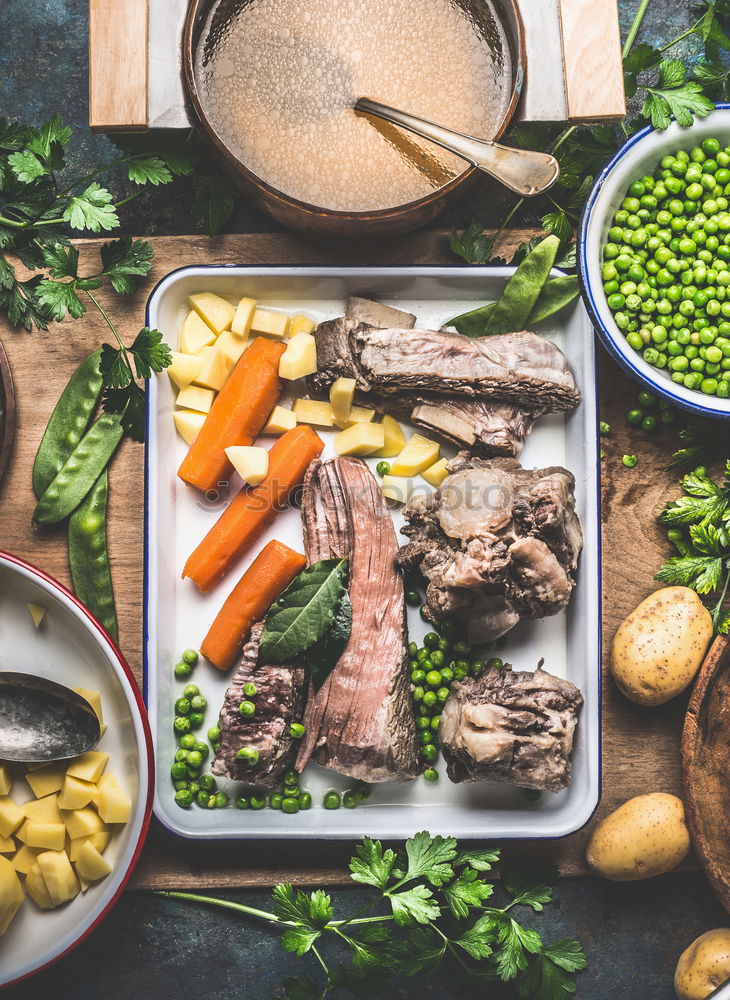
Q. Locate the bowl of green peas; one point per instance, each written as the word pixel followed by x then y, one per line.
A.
pixel 654 261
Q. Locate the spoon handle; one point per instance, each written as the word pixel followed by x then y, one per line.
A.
pixel 524 171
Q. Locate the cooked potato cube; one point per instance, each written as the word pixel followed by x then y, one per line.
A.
pixel 6 780
pixel 251 464
pixel 195 397
pixel 21 834
pixel 94 699
pixel 188 424
pixel 436 473
pixel 300 358
pixel 184 368
pixel 195 334
pixel 114 805
pixel 271 323
pixel 37 613
pixel 280 421
pixel 357 415
pixel 397 489
pixel 231 346
pixel 89 766
pixel 7 845
pixel 301 324
pixel 395 439
pixel 312 411
pixel 91 866
pixel 59 876
pixel 50 836
pixel 342 392
pixel 43 810
pixel 35 886
pixel 359 439
pixel 11 894
pixel 11 816
pixel 214 371
pixel 213 310
pixel 24 858
pixel 76 793
pixel 241 322
pixel 99 840
pixel 107 780
pixel 418 454
pixel 83 822
pixel 47 780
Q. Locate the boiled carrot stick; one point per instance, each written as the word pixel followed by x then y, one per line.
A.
pixel 236 417
pixel 267 578
pixel 253 509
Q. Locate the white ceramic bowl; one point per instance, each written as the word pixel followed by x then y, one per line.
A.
pixel 639 156
pixel 71 647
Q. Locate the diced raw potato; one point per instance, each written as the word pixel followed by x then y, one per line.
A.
pixel 59 876
pixel 312 411
pixel 43 810
pixel 418 454
pixel 300 357
pixel 114 805
pixel 11 894
pixel 89 766
pixel 35 886
pixel 91 866
pixel 251 464
pixel 357 415
pixel 85 886
pixel 6 780
pixel 11 816
pixel 273 324
pixel 231 346
pixel 83 822
pixel 359 439
pixel 25 858
pixel 50 836
pixel 76 793
pixel 47 780
pixel 301 324
pixel 215 311
pixel 436 473
pixel 395 439
pixel 94 699
pixel 195 397
pixel 99 840
pixel 21 833
pixel 214 371
pixel 184 368
pixel 107 780
pixel 342 392
pixel 241 322
pixel 37 613
pixel 188 424
pixel 395 488
pixel 7 845
pixel 280 421
pixel 195 334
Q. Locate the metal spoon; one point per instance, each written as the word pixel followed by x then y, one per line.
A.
pixel 524 171
pixel 43 721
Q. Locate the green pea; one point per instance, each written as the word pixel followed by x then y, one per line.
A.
pixel 629 461
pixel 433 678
pixel 430 774
pixel 181 724
pixel 429 752
pixel 249 755
pixel 413 598
pixel 297 730
pixel 257 801
pixel 182 670
pixel 241 802
pixel 648 424
pixel 247 709
pixel 191 690
pixel 214 734
pixel 442 694
pixel 250 690
pixel 198 703
pixel 331 800
pixel 305 800
pixel 289 805
pixel 275 800
pixel 190 656
pixel 184 798
pixel 495 663
pixel 430 699
pixel 349 799
pixel 182 706
pixel 178 771
pixel 221 800
pixel 208 783
pixel 196 720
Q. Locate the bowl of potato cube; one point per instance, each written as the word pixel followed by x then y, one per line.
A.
pixel 71 831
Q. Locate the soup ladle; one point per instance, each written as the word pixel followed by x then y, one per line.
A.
pixel 42 721
pixel 527 172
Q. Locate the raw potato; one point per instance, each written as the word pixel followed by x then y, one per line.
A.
pixel 91 866
pixel 359 439
pixel 215 311
pixel 703 966
pixel 215 369
pixel 194 397
pixel 397 489
pixel 184 368
pixel 11 816
pixel 7 845
pixel 188 424
pixel 76 793
pixel 46 780
pixel 11 894
pixel 241 322
pixel 114 805
pixel 59 876
pixel 35 886
pixel 300 357
pixel 6 781
pixel 195 334
pixel 646 836
pixel 231 346
pixel 271 323
pixel 89 766
pixel 43 810
pixel 659 648
pixel 312 411
pixel 358 415
pixel 301 324
pixel 342 393
pixel 395 439
pixel 83 822
pixel 50 836
pixel 436 473
pixel 418 454
pixel 25 858
pixel 280 421
pixel 251 464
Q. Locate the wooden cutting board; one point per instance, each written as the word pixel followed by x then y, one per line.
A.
pixel 640 746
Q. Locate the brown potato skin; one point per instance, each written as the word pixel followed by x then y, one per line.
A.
pixel 703 966
pixel 645 836
pixel 659 647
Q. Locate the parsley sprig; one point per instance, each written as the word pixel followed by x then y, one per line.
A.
pixel 699 528
pixel 436 909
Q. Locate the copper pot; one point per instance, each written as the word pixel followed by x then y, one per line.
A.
pixel 307 218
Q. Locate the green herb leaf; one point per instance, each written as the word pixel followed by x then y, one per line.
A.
pixel 479 940
pixel 529 885
pixel 114 367
pixel 305 611
pixel 702 573
pixel 322 657
pixel 481 861
pixel 92 210
pixel 124 260
pixel 465 892
pixel 301 988
pixel 60 297
pixel 61 260
pixel 372 865
pixel 674 95
pixel 26 166
pixel 473 246
pixel 414 906
pixel 150 353
pixel 214 203
pixel 430 858
pixel 514 944
pixel 148 170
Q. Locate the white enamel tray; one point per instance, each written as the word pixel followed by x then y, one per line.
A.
pixel 177 616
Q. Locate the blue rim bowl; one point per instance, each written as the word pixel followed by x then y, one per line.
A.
pixel 639 155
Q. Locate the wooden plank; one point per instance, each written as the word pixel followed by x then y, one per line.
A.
pixel 640 746
pixel 594 79
pixel 118 65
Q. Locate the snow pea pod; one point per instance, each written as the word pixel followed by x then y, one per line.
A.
pixel 68 422
pixel 556 293
pixel 88 556
pixel 518 299
pixel 80 470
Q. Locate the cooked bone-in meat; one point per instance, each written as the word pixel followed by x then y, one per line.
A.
pixel 496 543
pixel 376 314
pixel 510 726
pixel 360 722
pixel 487 427
pixel 281 690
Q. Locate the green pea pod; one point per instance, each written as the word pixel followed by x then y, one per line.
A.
pixel 473 324
pixel 521 292
pixel 557 293
pixel 88 556
pixel 68 422
pixel 80 470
